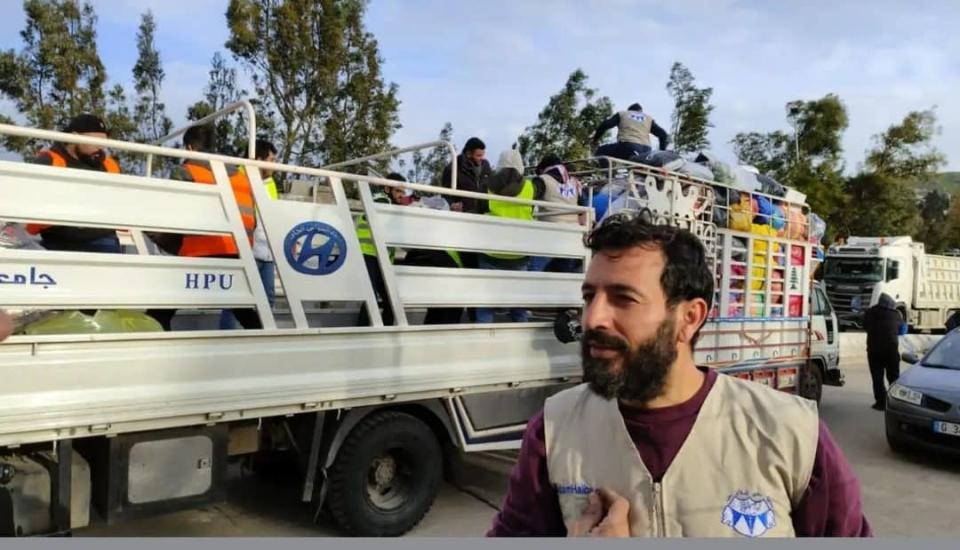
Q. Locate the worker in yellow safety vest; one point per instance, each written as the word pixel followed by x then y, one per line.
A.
pixel 509 181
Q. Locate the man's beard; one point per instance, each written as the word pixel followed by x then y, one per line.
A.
pixel 93 161
pixel 642 373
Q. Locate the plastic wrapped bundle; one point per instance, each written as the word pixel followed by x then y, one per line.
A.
pixel 797 223
pixel 771 186
pixel 779 220
pixel 745 180
pixel 722 172
pixel 14 236
pixel 818 228
pixel 764 211
pixel 667 160
pixel 741 213
pixel 696 170
pixel 103 322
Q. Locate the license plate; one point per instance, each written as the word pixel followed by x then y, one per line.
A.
pixel 948 428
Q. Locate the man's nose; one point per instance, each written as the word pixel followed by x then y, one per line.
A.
pixel 597 314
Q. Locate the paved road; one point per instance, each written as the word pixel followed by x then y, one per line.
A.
pixel 903 496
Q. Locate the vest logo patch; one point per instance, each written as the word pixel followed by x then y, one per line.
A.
pixel 579 489
pixel 749 514
pixel 637 117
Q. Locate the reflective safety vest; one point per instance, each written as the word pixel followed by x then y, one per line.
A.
pixel 365 236
pixel 271 187
pixel 109 165
pixel 217 245
pixel 515 211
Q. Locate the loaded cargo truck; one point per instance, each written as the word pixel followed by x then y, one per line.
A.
pixel 103 427
pixel 926 287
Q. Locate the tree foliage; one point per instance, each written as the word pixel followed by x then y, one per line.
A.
pixel 149 112
pixel 318 72
pixel 809 159
pixel 905 150
pixel 566 124
pixel 428 167
pixel 933 221
pixel 768 152
pixel 230 131
pixel 879 205
pixel 691 111
pixel 58 73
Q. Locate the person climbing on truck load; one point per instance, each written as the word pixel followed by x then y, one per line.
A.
pixel 694 452
pixel 633 135
pixel 82 157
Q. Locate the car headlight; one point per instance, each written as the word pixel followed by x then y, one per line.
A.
pixel 906 394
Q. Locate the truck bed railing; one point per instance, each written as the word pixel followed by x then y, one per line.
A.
pixel 315 245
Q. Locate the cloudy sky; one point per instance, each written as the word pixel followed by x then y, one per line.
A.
pixel 488 67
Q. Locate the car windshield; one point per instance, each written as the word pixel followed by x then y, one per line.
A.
pixel 866 269
pixel 946 354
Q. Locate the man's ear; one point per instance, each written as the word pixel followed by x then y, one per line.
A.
pixel 691 314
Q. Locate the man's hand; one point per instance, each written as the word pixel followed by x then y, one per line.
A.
pixel 6 325
pixel 607 515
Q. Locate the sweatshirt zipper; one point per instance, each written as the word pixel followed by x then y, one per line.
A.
pixel 659 524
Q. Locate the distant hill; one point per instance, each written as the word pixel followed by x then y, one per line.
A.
pixel 947 182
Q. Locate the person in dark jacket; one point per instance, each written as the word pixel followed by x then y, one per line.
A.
pixel 882 323
pixel 633 134
pixel 472 173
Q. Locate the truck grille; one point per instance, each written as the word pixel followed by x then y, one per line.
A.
pixel 841 295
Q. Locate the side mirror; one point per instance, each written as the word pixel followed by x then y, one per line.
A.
pixel 909 357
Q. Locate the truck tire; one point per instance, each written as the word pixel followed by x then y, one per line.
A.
pixel 386 475
pixel 811 382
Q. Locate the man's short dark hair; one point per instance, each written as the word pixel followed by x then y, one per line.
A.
pixel 547 161
pixel 635 107
pixel 396 176
pixel 473 144
pixel 199 138
pixel 263 149
pixel 686 273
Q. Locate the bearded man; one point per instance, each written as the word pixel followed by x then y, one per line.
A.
pixel 80 156
pixel 652 444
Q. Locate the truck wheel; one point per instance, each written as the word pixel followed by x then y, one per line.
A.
pixel 386 475
pixel 811 382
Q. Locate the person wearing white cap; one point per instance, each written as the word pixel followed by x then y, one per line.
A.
pixel 509 181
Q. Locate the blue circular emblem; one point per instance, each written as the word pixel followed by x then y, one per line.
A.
pixel 315 248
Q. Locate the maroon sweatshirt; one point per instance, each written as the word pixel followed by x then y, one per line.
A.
pixel 830 507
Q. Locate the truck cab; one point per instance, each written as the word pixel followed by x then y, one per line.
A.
pixel 857 273
pixel 825 340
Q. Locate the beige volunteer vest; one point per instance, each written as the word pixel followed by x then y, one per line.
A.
pixel 634 127
pixel 742 469
pixel 565 193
